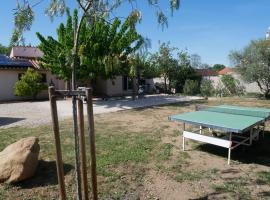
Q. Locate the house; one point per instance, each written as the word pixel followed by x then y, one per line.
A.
pixel 119 86
pixel 224 71
pixel 21 58
pixel 13 67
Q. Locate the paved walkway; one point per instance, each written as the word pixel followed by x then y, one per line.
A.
pixel 36 113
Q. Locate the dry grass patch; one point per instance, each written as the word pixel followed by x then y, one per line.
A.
pixel 139 156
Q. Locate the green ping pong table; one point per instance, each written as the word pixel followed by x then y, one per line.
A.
pixel 240 125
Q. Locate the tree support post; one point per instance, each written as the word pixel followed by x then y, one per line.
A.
pixel 59 162
pixel 91 130
pixel 82 152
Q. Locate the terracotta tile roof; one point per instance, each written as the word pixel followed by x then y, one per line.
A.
pixel 206 72
pixel 225 71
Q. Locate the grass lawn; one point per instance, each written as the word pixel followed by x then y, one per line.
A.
pixel 139 156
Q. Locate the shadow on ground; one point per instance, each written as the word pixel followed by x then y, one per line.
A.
pixel 45 175
pixel 9 120
pixel 173 105
pixel 258 153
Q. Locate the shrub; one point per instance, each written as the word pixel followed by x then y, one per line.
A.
pixel 29 85
pixel 191 87
pixel 221 91
pixel 232 85
pixel 207 89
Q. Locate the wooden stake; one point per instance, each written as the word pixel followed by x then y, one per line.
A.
pixel 82 151
pixel 76 149
pixel 59 162
pixel 92 141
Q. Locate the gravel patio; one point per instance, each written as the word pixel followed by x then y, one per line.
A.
pixel 37 113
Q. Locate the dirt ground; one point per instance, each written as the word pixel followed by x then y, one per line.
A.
pixel 156 167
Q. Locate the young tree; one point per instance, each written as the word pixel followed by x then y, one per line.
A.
pixel 30 84
pixel 91 10
pixel 253 64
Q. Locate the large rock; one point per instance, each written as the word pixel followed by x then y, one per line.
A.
pixel 19 160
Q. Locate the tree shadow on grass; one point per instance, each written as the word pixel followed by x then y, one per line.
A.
pixel 257 153
pixel 46 174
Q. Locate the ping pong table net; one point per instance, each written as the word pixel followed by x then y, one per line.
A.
pixel 234 111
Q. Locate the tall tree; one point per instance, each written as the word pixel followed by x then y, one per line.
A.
pixel 183 71
pixel 253 63
pixel 164 61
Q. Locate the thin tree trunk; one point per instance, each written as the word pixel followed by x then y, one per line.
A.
pixel 134 89
pixel 165 84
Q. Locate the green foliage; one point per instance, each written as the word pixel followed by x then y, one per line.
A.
pixel 218 67
pixel 220 90
pixel 4 50
pixel 207 89
pixel 263 177
pixel 253 64
pixel 103 48
pixel 182 71
pixel 29 85
pixel 191 87
pixel 165 63
pixel 24 12
pixel 229 83
pixel 174 71
pixel 23 19
pixel 232 85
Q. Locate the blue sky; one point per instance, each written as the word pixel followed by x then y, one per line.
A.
pixel 209 28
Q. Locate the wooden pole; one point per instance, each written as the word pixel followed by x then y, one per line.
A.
pixel 82 152
pixel 59 162
pixel 92 141
pixel 76 149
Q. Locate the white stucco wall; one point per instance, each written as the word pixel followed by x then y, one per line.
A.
pixel 249 87
pixel 8 78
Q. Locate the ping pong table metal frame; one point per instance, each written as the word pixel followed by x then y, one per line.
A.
pixel 228 142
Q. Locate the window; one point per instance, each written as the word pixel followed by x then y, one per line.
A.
pixel 127 83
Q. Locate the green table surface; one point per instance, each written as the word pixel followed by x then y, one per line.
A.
pixel 222 121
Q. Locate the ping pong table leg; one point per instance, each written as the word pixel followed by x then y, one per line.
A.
pixel 229 151
pixel 200 129
pixel 263 130
pixel 183 144
pixel 250 136
pixel 229 156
